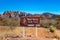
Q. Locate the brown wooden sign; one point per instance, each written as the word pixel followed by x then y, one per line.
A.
pixel 30 20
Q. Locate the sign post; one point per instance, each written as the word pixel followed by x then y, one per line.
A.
pixel 36 32
pixel 30 21
pixel 23 32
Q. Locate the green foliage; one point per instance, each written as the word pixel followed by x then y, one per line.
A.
pixel 10 22
pixel 45 26
pixel 52 29
pixel 57 25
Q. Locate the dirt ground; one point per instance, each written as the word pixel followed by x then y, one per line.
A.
pixel 30 33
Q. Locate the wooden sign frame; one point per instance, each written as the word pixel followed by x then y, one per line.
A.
pixel 33 20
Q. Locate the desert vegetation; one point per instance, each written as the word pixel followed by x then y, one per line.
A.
pixel 9 22
pixel 49 28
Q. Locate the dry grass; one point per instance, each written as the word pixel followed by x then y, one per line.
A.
pixel 29 32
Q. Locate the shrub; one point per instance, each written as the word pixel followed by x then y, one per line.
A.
pixel 57 25
pixel 10 22
pixel 44 25
pixel 52 29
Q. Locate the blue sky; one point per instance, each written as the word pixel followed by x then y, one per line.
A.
pixel 31 6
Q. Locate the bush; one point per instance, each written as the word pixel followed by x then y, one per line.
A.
pixel 57 25
pixel 10 22
pixel 44 25
pixel 52 29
